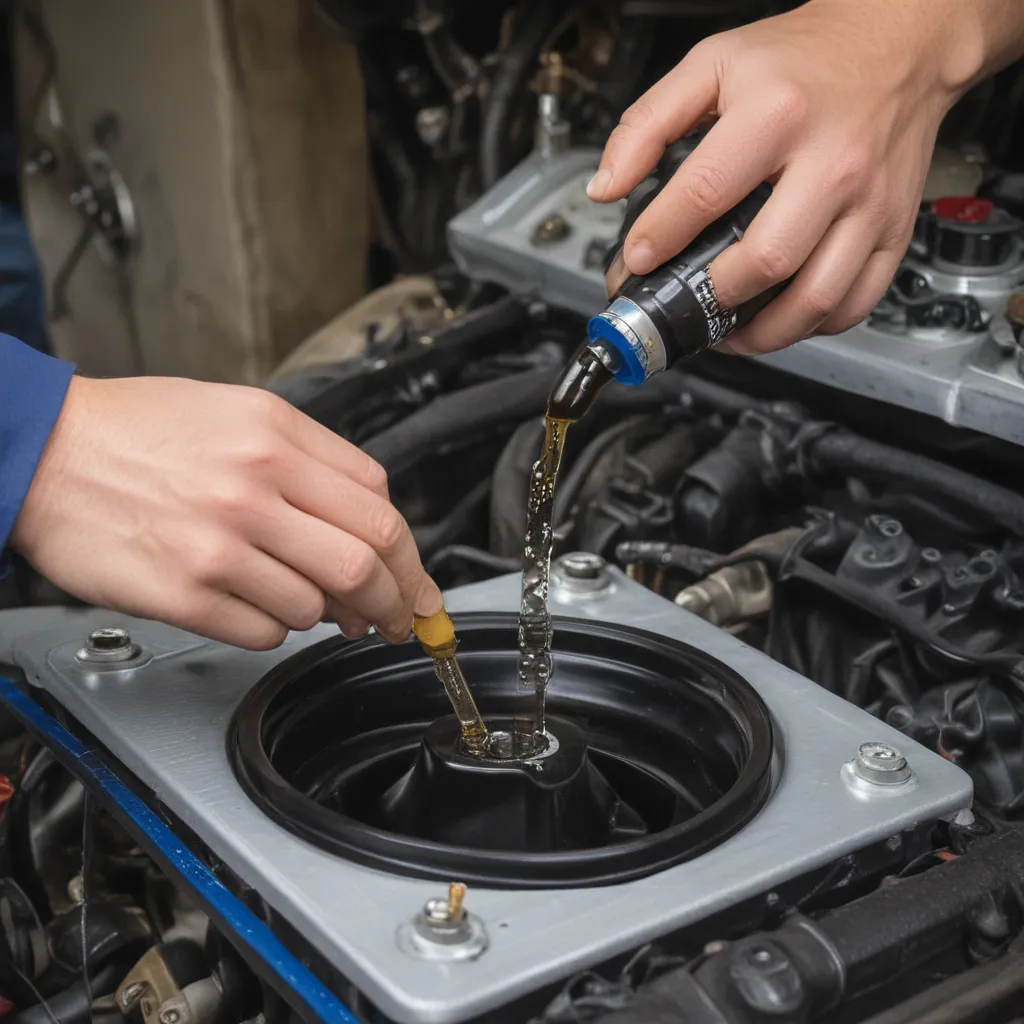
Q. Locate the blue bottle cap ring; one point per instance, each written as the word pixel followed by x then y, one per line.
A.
pixel 615 335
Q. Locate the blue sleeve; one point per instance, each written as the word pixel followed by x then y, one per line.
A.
pixel 32 390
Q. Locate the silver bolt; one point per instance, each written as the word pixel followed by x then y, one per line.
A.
pixel 552 228
pixel 582 572
pixel 444 930
pixel 109 639
pixel 881 765
pixel 131 994
pixel 432 124
pixel 169 1016
pixel 112 643
pixel 446 912
pixel 76 890
pixel 436 913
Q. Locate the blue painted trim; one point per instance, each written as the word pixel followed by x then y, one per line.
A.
pixel 233 913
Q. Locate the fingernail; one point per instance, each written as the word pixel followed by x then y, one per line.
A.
pixel 641 259
pixel 599 185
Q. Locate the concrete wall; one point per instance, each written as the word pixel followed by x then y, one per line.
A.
pixel 240 138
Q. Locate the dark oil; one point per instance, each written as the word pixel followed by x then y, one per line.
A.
pixel 577 389
pixel 573 395
pixel 534 617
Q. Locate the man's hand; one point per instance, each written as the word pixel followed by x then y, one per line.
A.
pixel 837 104
pixel 219 509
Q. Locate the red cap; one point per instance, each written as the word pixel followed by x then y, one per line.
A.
pixel 963 209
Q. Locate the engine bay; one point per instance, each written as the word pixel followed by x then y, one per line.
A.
pixel 788 600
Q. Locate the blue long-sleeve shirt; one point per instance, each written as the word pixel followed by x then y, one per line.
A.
pixel 32 390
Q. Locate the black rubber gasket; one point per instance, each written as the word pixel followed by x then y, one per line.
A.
pixel 669 705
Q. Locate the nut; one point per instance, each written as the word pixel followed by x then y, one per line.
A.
pixel 444 930
pixel 111 643
pixel 432 124
pixel 109 639
pixel 552 228
pixel 581 572
pixel 881 765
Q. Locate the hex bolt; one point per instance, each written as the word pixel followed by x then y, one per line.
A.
pixel 109 639
pixel 444 930
pixel 170 1016
pixel 881 765
pixel 131 994
pixel 446 912
pixel 76 890
pixel 582 572
pixel 552 228
pixel 432 124
pixel 111 643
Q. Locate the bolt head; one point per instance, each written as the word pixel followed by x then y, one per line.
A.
pixel 170 1016
pixel 581 565
pixel 435 912
pixel 110 644
pixel 110 638
pixel 881 764
pixel 551 229
pixel 76 889
pixel 581 572
pixel 432 124
pixel 132 994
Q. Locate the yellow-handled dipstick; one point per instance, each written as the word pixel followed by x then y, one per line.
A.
pixel 436 635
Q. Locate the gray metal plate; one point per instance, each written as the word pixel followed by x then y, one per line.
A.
pixel 966 380
pixel 166 722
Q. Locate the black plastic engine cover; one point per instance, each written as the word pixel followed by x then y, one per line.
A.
pixel 667 752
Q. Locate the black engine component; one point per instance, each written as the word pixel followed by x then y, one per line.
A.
pixel 335 744
pixel 853 955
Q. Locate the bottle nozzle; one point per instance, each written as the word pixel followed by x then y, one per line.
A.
pixel 579 385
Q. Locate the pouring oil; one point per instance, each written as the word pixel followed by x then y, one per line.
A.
pixel 436 635
pixel 574 394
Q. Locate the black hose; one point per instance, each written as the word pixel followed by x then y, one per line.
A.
pixel 433 536
pixel 715 396
pixel 74 1004
pixel 974 995
pixel 907 622
pixel 633 45
pixel 16 853
pixel 851 455
pixel 510 488
pixel 533 21
pixel 475 556
pixel 459 419
pixel 330 393
pixel 570 488
pixel 456 68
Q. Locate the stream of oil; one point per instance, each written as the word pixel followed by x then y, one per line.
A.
pixel 574 394
pixel 534 617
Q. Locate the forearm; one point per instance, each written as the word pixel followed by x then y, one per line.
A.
pixel 963 41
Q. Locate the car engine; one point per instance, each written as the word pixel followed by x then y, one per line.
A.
pixel 789 628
